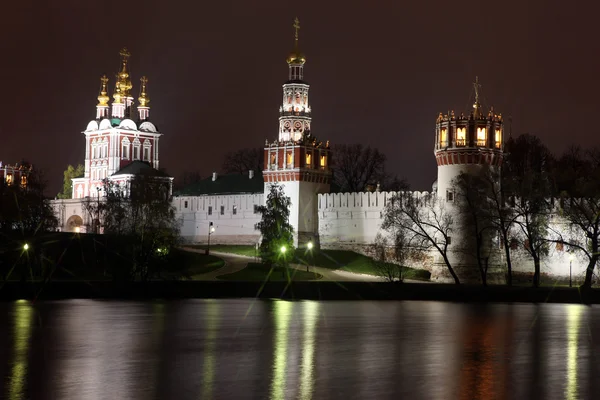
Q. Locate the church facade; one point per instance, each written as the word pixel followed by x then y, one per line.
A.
pixel 120 143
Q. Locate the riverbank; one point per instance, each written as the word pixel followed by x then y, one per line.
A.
pixel 311 290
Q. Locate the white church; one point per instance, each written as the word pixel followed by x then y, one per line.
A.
pixel 121 141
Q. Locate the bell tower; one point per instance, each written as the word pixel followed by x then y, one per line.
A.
pixel 297 160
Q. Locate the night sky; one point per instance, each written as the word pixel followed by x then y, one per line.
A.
pixel 379 71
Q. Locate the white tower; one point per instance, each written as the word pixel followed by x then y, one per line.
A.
pixel 472 145
pixel 297 160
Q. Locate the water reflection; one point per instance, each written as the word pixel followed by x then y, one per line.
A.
pixel 311 317
pixel 282 314
pixel 238 349
pixel 211 318
pixel 573 325
pixel 22 328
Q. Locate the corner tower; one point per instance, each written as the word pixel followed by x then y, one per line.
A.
pixel 472 145
pixel 297 160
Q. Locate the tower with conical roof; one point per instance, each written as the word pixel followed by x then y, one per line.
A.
pixel 297 160
pixel 471 144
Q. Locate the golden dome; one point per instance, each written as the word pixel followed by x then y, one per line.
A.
pixel 296 57
pixel 103 96
pixel 144 99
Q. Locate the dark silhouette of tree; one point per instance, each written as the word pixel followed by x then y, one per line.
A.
pixel 356 166
pixel 244 160
pixel 275 228
pixel 476 212
pixel 70 173
pixel 24 208
pixel 577 175
pixel 527 181
pixel 425 222
pixel 141 214
pixel 389 255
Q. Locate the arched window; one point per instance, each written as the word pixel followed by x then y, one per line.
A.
pixel 461 136
pixel 481 139
pixel 309 160
pixel 323 161
pixel 443 137
pixel 498 138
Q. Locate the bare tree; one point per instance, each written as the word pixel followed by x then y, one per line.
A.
pixel 475 209
pixel 390 255
pixel 527 181
pixel 578 180
pixel 356 166
pixel 244 160
pixel 424 221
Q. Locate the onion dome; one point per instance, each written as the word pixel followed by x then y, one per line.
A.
pixel 103 96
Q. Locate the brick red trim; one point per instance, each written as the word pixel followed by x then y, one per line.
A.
pixel 473 156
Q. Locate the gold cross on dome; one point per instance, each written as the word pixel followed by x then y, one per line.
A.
pixel 144 80
pixel 296 27
pixel 477 86
pixel 124 53
pixel 104 80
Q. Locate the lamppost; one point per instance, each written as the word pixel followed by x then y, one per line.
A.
pixel 211 230
pixel 309 246
pixel 570 270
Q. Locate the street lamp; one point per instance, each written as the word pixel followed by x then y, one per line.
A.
pixel 211 230
pixel 309 246
pixel 283 249
pixel 570 270
pixel 26 246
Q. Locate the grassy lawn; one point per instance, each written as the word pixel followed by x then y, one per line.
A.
pixel 242 250
pixel 190 264
pixel 258 272
pixel 350 261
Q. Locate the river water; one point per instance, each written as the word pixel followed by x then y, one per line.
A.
pixel 246 349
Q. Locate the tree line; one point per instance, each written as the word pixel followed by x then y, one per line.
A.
pixel 514 207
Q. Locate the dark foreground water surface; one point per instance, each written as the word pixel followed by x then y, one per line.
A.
pixel 244 349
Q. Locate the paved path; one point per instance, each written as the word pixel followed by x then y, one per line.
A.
pixel 234 263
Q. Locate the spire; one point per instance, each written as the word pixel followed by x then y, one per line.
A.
pixel 102 107
pixel 477 104
pixel 296 57
pixel 144 100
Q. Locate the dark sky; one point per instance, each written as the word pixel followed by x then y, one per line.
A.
pixel 380 72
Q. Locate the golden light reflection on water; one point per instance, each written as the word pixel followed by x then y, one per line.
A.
pixel 282 313
pixel 573 322
pixel 311 317
pixel 209 367
pixel 23 316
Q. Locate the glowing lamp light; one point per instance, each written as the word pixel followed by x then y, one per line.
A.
pixel 571 257
pixel 212 229
pixel 77 229
pixel 26 246
pixel 309 245
pixel 283 249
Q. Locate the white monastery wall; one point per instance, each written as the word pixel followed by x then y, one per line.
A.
pixel 233 216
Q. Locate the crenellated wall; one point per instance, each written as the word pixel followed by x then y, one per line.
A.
pixel 233 216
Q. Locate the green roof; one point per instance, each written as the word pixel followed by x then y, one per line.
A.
pixel 140 168
pixel 225 184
